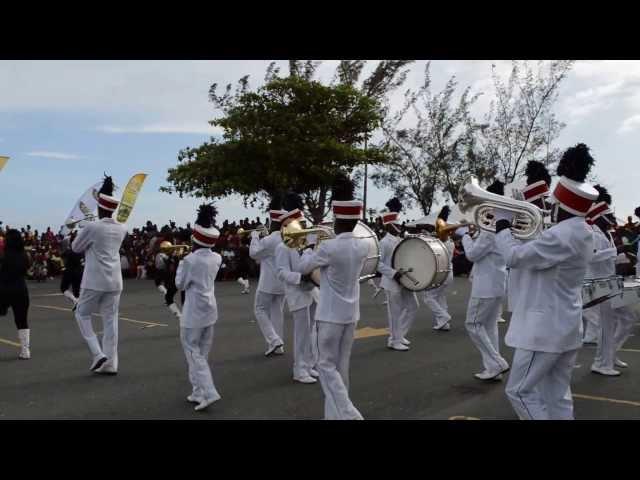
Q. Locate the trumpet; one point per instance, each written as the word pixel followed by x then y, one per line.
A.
pixel 71 223
pixel 294 236
pixel 528 219
pixel 167 247
pixel 263 231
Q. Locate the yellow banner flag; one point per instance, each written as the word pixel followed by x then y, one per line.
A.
pixel 3 162
pixel 129 196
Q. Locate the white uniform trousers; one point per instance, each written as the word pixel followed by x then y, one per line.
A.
pixel 436 300
pixel 334 349
pixel 303 360
pixel 196 343
pixel 402 308
pixel 539 385
pixel 591 324
pixel 268 310
pixel 313 335
pixel 606 351
pixel 107 303
pixel 482 326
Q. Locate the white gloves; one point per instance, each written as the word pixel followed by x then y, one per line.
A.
pixel 462 231
pixel 255 234
pixel 312 239
pixel 503 215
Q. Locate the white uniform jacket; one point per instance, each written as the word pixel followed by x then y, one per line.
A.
pixel 489 268
pixel 196 275
pixel 264 251
pixel 100 242
pixel 340 261
pixel 548 314
pixel 387 246
pixel 288 272
pixel 603 262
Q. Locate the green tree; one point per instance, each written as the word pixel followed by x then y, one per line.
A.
pixel 292 132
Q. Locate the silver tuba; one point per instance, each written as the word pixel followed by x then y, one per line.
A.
pixel 528 219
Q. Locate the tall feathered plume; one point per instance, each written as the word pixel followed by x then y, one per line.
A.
pixel 576 163
pixel 276 201
pixel 496 187
pixel 107 186
pixel 444 213
pixel 536 171
pixel 342 188
pixel 206 215
pixel 291 201
pixel 394 205
pixel 603 194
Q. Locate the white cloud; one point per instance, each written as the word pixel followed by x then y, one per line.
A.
pixel 55 155
pixel 196 128
pixel 630 124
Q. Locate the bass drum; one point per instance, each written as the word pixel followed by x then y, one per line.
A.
pixel 426 260
pixel 363 232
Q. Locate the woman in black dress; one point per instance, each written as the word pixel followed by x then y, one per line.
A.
pixel 13 287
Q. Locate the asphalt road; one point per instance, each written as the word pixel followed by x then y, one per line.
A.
pixel 434 380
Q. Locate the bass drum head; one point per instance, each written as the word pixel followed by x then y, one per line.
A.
pixel 415 253
pixel 368 236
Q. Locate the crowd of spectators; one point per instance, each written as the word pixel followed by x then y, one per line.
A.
pixel 140 246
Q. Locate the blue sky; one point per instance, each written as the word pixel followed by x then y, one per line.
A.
pixel 65 122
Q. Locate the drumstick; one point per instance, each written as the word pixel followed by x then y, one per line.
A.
pixel 410 277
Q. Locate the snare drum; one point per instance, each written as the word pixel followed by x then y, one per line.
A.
pixel 598 290
pixel 630 294
pixel 425 259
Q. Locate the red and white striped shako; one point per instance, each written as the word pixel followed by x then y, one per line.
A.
pixel 276 215
pixel 293 215
pixel 389 217
pixel 107 202
pixel 574 197
pixel 597 210
pixel 535 191
pixel 347 209
pixel 205 237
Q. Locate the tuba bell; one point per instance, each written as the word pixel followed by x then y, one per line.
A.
pixel 528 219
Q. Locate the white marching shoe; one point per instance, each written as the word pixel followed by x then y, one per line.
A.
pixel 314 373
pixel 443 328
pixel 98 361
pixel 175 310
pixel 107 369
pixel 609 372
pixel 398 347
pixel 25 352
pixel 162 289
pixel 304 379
pixel 272 350
pixel 502 320
pixel 279 350
pixel 488 375
pixel 204 403
pixel 619 363
pixel 193 398
pixel 405 341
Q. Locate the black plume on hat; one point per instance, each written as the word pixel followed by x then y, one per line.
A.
pixel 107 186
pixel 394 205
pixel 206 215
pixel 576 163
pixel 536 171
pixel 276 201
pixel 342 188
pixel 291 201
pixel 444 213
pixel 603 194
pixel 496 187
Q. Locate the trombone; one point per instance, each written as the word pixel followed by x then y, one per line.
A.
pixel 71 223
pixel 294 236
pixel 263 231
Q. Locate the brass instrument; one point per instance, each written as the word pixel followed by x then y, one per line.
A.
pixel 72 223
pixel 178 250
pixel 294 236
pixel 528 219
pixel 263 231
pixel 444 230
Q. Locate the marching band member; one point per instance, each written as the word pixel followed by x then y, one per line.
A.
pixel 436 298
pixel 402 304
pixel 297 289
pixel 603 265
pixel 545 328
pixel 487 293
pixel 340 261
pixel 101 281
pixel 165 278
pixel 196 276
pixel 269 299
pixel 72 274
